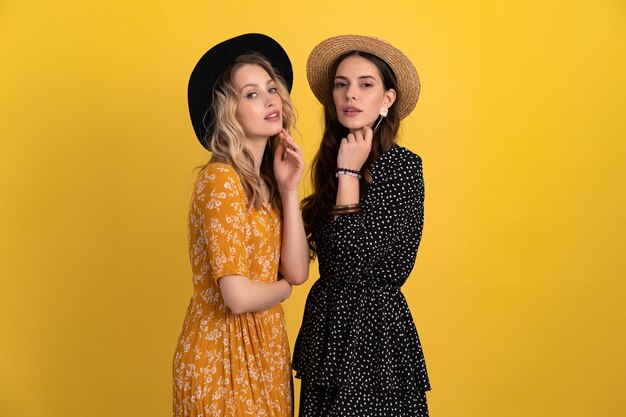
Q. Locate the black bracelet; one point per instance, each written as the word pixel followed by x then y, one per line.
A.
pixel 349 172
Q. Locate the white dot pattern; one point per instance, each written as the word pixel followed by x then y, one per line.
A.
pixel 317 400
pixel 358 351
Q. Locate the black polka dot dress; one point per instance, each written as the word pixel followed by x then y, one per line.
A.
pixel 358 352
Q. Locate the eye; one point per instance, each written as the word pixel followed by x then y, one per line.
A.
pixel 273 90
pixel 367 85
pixel 252 94
pixel 340 84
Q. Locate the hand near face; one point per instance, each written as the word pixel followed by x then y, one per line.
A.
pixel 355 148
pixel 288 171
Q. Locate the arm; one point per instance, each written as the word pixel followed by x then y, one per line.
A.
pixel 244 296
pixel 294 254
pixel 353 152
pixel 224 216
pixel 392 211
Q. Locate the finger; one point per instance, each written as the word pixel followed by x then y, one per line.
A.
pixel 288 140
pixel 291 143
pixel 285 135
pixel 358 135
pixel 283 155
pixel 298 158
pixel 368 134
pixel 351 137
pixel 297 148
pixel 279 149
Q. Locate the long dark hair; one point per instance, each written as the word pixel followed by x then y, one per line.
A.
pixel 318 205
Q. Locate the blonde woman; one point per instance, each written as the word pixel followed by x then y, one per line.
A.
pixel 247 244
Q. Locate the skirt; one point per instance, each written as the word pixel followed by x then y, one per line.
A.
pixel 322 401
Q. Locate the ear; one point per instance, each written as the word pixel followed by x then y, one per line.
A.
pixel 389 97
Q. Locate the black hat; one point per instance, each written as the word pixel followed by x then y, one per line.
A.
pixel 215 61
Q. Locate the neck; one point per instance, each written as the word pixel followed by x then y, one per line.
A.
pixel 256 147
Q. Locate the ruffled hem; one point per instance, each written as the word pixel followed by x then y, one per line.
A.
pixel 317 401
pixel 374 346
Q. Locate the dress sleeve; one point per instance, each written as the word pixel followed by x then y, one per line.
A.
pixel 392 213
pixel 224 216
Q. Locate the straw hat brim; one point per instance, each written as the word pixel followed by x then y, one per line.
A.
pixel 216 60
pixel 324 55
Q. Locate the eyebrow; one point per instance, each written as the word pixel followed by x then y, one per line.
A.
pixel 270 81
pixel 362 77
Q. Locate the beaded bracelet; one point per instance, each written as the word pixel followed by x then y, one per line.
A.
pixel 349 172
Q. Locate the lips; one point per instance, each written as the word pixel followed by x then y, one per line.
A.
pixel 351 111
pixel 273 116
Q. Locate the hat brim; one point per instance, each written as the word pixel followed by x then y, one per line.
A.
pixel 323 56
pixel 216 60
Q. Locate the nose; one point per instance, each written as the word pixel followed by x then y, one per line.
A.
pixel 350 94
pixel 271 101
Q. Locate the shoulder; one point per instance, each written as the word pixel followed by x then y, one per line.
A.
pixel 398 161
pixel 218 173
pixel 219 177
pixel 404 155
pixel 217 170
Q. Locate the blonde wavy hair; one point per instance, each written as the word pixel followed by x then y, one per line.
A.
pixel 226 138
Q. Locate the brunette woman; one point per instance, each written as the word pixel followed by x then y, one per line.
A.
pixel 358 352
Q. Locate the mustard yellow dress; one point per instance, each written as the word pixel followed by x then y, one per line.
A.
pixel 227 364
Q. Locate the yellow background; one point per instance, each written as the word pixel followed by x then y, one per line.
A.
pixel 519 290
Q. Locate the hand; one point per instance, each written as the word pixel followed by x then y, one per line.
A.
pixel 355 149
pixel 288 171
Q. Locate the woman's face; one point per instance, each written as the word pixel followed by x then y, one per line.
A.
pixel 359 93
pixel 260 109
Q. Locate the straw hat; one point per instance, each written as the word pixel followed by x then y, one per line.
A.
pixel 324 55
pixel 215 61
